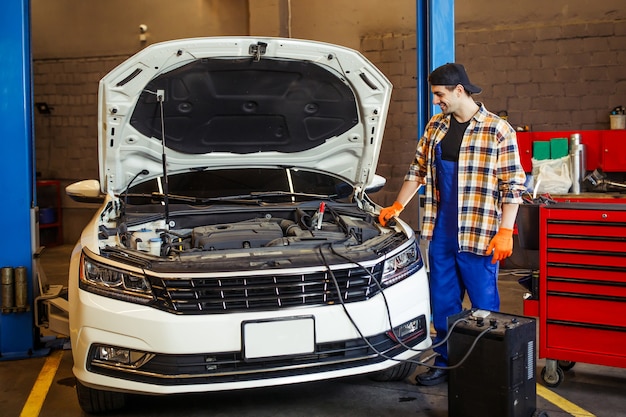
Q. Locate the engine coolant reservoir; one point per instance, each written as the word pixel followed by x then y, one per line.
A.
pixel 140 239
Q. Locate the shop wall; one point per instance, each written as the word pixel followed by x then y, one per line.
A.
pixel 556 66
pixel 550 65
pixel 74 44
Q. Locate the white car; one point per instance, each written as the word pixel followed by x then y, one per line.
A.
pixel 242 250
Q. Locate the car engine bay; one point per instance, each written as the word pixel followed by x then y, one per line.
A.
pixel 229 228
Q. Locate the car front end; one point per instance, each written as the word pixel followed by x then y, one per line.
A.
pixel 237 246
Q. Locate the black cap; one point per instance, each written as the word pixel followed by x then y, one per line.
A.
pixel 453 74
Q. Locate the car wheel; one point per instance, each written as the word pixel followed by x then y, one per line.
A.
pixel 95 401
pixel 395 373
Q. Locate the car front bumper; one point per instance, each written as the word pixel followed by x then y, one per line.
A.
pixel 171 353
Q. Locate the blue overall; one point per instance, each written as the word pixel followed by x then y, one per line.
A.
pixel 453 272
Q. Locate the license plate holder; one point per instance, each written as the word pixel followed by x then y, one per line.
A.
pixel 278 337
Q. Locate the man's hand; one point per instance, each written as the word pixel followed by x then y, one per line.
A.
pixel 501 245
pixel 389 212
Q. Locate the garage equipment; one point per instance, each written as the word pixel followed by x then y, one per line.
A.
pixel 598 179
pixel 582 287
pixel 498 377
pixel 17 338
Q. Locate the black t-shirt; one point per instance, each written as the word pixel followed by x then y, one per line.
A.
pixel 451 142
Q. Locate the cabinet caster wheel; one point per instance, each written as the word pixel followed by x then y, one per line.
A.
pixel 552 379
pixel 566 365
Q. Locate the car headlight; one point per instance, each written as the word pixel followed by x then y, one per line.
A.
pixel 109 281
pixel 402 265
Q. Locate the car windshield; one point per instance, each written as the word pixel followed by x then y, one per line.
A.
pixel 257 183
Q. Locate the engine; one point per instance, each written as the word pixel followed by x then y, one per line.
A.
pixel 258 232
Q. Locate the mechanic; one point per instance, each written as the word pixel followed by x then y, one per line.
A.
pixel 469 162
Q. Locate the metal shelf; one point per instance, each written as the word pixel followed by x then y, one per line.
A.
pixel 50 212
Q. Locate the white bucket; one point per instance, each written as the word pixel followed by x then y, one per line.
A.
pixel 618 121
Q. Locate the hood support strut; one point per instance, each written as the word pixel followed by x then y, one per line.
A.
pixel 161 99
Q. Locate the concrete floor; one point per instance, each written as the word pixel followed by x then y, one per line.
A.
pixel 587 390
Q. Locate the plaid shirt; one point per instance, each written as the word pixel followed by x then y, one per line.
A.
pixel 490 174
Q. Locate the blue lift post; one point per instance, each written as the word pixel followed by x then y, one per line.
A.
pixel 435 47
pixel 17 329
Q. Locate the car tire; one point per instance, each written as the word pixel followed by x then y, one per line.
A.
pixel 95 401
pixel 395 373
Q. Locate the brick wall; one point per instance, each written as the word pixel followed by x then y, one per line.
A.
pixel 395 55
pixel 547 75
pixel 66 139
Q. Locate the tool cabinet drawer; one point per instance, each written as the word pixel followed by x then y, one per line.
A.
pixel 587 212
pixel 580 288
pixel 603 346
pixel 587 245
pixel 606 275
pixel 602 310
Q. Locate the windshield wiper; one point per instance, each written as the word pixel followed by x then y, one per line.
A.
pixel 159 197
pixel 252 198
pixel 262 194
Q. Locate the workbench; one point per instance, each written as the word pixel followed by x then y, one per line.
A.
pixel 580 298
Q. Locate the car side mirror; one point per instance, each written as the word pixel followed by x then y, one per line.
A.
pixel 86 191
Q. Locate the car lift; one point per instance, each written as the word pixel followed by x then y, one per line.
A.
pixel 18 336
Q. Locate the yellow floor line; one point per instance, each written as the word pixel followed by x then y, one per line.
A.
pixel 42 385
pixel 562 403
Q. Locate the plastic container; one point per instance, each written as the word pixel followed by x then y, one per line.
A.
pixel 558 147
pixel 140 239
pixel 155 246
pixel 47 215
pixel 541 150
pixel 618 121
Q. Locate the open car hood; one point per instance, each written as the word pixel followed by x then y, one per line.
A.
pixel 241 101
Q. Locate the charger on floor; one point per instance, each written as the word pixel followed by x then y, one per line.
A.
pixel 498 378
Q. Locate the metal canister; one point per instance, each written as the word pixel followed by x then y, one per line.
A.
pixel 8 292
pixel 577 162
pixel 21 287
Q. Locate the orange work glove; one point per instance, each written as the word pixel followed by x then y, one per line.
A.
pixel 389 212
pixel 501 245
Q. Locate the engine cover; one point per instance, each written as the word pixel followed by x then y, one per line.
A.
pixel 252 234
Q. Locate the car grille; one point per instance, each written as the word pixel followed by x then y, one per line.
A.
pixel 264 292
pixel 210 368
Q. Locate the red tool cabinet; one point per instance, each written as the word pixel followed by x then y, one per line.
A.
pixel 581 295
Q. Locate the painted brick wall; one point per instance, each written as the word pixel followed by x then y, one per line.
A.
pixel 546 76
pixel 66 139
pixel 395 55
pixel 549 76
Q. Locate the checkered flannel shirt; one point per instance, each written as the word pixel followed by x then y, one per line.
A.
pixel 490 174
